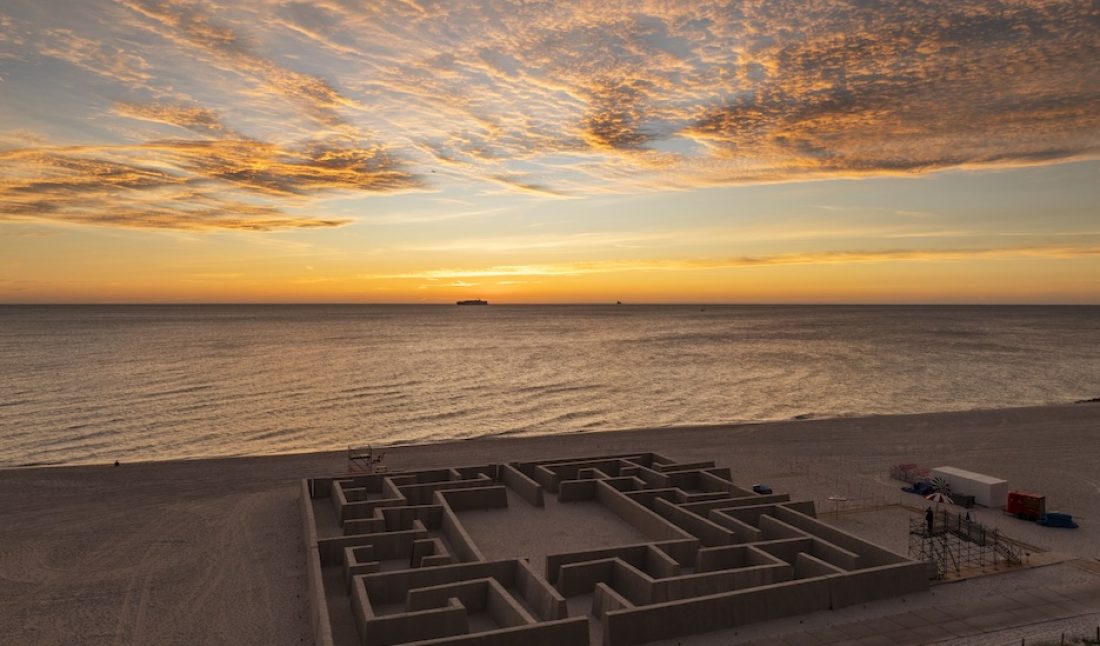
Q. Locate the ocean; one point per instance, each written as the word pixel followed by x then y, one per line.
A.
pixel 86 384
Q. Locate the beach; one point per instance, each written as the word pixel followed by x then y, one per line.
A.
pixel 211 551
pixel 504 323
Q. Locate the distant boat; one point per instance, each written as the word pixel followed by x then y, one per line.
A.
pixel 474 301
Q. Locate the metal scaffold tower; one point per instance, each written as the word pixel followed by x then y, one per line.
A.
pixel 953 543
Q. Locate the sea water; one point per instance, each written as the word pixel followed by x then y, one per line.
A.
pixel 98 383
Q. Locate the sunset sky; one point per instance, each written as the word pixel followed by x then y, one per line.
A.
pixel 527 151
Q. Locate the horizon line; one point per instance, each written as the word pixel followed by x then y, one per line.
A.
pixel 540 304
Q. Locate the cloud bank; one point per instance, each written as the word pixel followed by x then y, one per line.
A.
pixel 738 262
pixel 236 184
pixel 278 103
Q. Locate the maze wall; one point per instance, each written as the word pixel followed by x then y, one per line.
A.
pixel 709 555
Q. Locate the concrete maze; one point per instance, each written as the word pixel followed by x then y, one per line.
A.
pixel 613 550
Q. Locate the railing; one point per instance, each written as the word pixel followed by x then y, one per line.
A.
pixel 954 541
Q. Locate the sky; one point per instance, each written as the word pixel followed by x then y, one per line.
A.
pixel 764 151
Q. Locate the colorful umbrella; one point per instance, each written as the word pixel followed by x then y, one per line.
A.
pixel 938 497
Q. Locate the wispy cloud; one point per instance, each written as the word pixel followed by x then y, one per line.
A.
pixel 111 61
pixel 757 92
pixel 552 241
pixel 189 117
pixel 736 262
pixel 548 99
pixel 193 25
pixel 237 184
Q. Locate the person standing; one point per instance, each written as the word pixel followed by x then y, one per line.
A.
pixel 928 519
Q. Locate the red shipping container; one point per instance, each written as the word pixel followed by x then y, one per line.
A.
pixel 1026 505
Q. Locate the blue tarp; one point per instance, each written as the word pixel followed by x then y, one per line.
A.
pixel 922 488
pixel 1055 519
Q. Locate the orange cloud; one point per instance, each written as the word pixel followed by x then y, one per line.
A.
pixel 698 93
pixel 189 117
pixel 193 25
pixel 576 98
pixel 107 60
pixel 187 184
pixel 690 264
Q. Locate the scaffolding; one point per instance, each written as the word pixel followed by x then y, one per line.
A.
pixel 954 543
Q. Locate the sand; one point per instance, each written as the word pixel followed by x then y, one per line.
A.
pixel 534 532
pixel 210 551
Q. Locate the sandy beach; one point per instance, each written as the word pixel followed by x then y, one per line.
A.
pixel 210 551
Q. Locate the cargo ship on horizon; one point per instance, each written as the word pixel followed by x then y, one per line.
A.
pixel 472 301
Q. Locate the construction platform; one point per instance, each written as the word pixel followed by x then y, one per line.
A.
pixel 953 544
pixel 614 550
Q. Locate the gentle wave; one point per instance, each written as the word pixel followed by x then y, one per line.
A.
pixel 95 384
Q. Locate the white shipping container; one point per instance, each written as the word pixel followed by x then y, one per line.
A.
pixel 987 491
